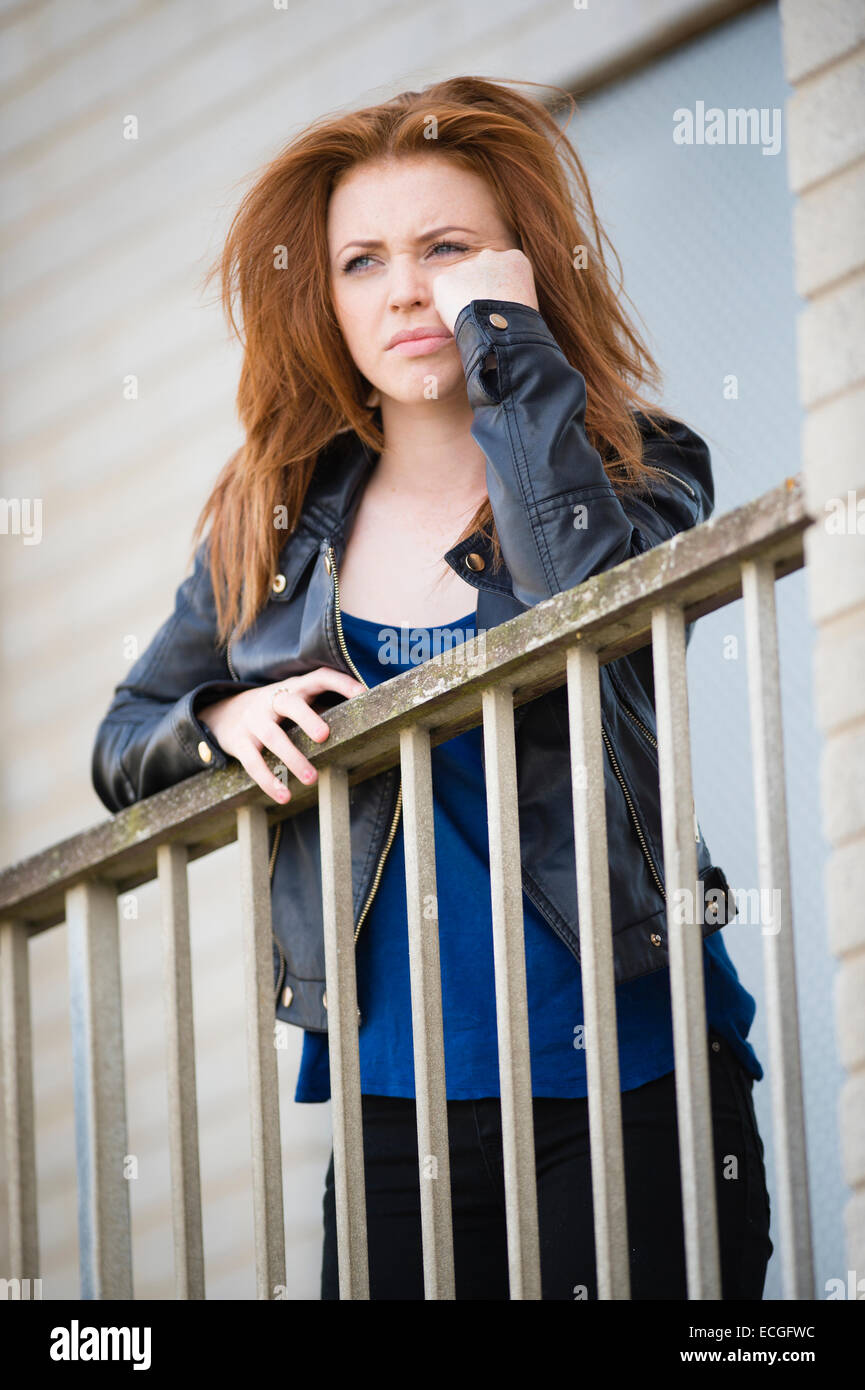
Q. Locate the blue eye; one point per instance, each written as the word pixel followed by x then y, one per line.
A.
pixel 349 266
pixel 451 246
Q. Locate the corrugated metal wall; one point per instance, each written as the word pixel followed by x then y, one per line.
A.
pixel 706 238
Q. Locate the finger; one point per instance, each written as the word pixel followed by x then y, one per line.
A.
pixel 278 742
pixel 253 763
pixel 290 704
pixel 327 678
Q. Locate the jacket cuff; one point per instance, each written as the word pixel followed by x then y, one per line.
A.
pixel 556 512
pixel 196 740
pixel 477 337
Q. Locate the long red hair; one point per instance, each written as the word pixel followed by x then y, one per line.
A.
pixel 299 386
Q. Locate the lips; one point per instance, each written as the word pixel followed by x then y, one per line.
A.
pixel 419 335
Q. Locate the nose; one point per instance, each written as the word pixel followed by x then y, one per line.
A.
pixel 409 284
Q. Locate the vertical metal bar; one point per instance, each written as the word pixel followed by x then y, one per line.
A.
pixel 261 1053
pixel 16 1047
pixel 782 1010
pixel 105 1243
pixel 687 980
pixel 426 1006
pixel 172 861
pixel 512 1019
pixel 341 988
pixel 598 980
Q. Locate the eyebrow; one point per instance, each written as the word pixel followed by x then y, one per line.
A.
pixel 425 236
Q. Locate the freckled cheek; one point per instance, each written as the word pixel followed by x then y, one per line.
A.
pixel 349 315
pixel 360 338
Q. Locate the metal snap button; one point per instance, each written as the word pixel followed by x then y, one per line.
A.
pixel 278 583
pixel 327 565
pixel 716 1046
pixel 205 752
pixel 287 996
pixel 655 939
pixel 476 562
pixel 713 907
pixel 498 321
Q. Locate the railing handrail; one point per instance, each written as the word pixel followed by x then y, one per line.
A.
pixel 700 568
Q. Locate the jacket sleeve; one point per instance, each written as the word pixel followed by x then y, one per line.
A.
pixel 558 517
pixel 150 737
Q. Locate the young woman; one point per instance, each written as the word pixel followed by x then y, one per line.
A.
pixel 441 397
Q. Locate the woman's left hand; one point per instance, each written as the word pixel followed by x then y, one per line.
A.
pixel 488 275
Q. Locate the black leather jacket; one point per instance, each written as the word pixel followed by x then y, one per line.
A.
pixel 529 407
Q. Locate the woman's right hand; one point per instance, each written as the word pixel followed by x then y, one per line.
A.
pixel 244 724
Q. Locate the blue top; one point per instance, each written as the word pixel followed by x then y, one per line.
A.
pixel 558 1065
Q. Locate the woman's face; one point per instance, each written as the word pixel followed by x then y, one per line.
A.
pixel 391 228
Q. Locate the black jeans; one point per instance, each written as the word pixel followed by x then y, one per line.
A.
pixel 652 1187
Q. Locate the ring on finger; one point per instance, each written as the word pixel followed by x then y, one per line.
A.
pixel 283 690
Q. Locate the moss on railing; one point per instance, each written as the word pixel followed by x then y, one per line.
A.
pixel 699 568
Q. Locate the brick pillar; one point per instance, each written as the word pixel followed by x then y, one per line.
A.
pixel 824 55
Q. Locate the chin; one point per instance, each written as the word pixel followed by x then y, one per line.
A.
pixel 410 386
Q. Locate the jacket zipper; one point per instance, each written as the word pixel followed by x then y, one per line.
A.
pixel 647 733
pixel 631 808
pixel 272 861
pixel 331 557
pixel 398 809
pixel 676 477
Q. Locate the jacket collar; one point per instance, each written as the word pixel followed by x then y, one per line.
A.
pixel 333 496
pixel 336 487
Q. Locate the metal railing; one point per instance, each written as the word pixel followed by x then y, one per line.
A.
pixel 567 638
